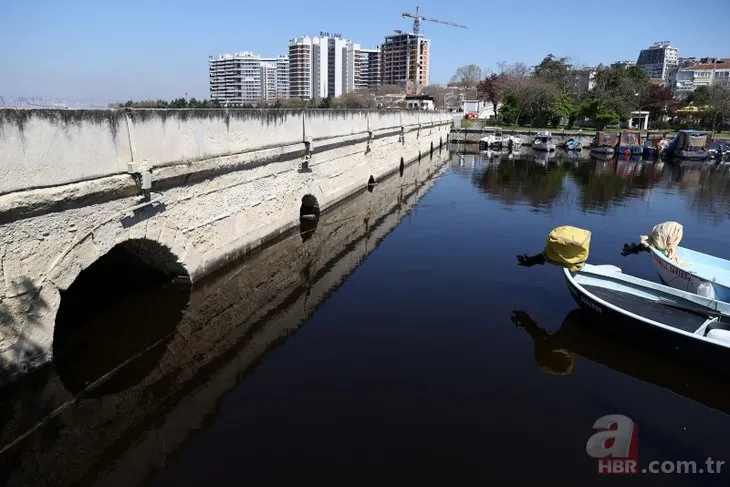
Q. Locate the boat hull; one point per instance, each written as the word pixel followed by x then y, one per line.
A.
pixel 543 147
pixel 602 150
pixel 683 279
pixel 631 149
pixel 677 346
pixel 692 155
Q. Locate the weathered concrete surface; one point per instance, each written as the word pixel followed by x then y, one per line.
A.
pixel 223 182
pixel 232 320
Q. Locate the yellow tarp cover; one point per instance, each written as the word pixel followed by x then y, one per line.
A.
pixel 569 247
pixel 665 237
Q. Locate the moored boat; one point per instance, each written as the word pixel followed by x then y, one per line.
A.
pixel 573 145
pixel 629 142
pixel 692 328
pixel 603 143
pixel 685 269
pixel 688 327
pixel 543 141
pixel 690 144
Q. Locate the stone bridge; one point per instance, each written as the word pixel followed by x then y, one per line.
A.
pixel 183 191
pixel 119 431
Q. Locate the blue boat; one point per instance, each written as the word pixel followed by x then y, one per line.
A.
pixel 572 144
pixel 690 144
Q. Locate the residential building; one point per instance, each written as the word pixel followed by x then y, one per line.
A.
pixel 420 102
pixel 282 77
pixel 321 66
pixel 705 72
pixel 368 68
pixel 582 80
pixel 623 64
pixel 245 78
pixel 300 68
pixel 658 60
pixel 405 61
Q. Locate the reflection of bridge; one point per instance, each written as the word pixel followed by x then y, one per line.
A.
pixel 232 320
pixel 182 191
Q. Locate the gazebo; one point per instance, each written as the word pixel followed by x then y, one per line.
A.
pixel 641 119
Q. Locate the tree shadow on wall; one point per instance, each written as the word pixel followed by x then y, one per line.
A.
pixel 16 335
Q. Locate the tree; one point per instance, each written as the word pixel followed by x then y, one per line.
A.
pixel 554 70
pixel 468 77
pixel 327 102
pixel 439 94
pixel 719 101
pixel 659 102
pixel 699 97
pixel 492 89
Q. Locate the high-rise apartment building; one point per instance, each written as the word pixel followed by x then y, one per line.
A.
pixel 282 77
pixel 322 66
pixel 658 60
pixel 367 68
pixel 247 78
pixel 405 61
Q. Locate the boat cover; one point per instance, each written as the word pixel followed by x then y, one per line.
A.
pixel 665 237
pixel 630 138
pixel 604 139
pixel 568 247
pixel 694 141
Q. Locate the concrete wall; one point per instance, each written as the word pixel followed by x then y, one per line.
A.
pixel 222 183
pixel 232 320
pixel 43 148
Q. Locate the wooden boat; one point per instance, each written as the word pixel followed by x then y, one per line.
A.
pixel 543 141
pixel 700 274
pixel 603 143
pixel 690 144
pixel 688 327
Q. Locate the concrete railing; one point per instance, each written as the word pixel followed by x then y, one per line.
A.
pixel 45 148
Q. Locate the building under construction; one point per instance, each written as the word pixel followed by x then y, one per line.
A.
pixel 405 61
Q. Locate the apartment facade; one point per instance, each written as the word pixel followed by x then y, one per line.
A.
pixel 244 78
pixel 405 61
pixel 658 60
pixel 367 68
pixel 583 80
pixel 325 65
pixel 704 72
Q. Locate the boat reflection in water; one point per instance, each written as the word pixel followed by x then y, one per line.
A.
pixel 135 420
pixel 555 354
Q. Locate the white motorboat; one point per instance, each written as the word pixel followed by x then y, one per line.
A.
pixel 543 141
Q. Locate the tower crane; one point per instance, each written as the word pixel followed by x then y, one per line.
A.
pixel 417 21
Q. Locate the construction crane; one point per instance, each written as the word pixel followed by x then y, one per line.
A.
pixel 417 21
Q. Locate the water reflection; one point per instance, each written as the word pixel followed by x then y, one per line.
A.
pixel 521 180
pixel 232 320
pixel 555 353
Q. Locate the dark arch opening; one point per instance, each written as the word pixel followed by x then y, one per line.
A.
pixel 308 217
pixel 401 167
pixel 128 302
pixel 371 184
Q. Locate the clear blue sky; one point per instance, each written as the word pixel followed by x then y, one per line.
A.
pixel 108 50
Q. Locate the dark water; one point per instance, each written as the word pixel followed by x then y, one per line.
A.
pixel 383 348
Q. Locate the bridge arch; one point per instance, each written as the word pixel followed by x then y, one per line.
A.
pixel 27 335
